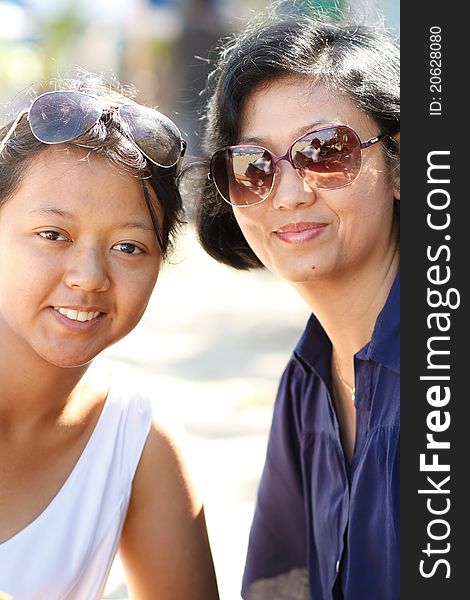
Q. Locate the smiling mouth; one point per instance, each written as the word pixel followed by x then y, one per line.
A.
pixel 299 233
pixel 75 315
pixel 299 227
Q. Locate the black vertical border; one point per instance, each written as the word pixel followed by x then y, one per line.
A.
pixel 424 132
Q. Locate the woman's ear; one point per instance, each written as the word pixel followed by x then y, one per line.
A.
pixel 396 189
pixel 396 183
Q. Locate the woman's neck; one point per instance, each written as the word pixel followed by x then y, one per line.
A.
pixel 348 307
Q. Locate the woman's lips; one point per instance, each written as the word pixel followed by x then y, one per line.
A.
pixel 299 233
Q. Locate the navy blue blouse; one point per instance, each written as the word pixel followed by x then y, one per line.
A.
pixel 315 510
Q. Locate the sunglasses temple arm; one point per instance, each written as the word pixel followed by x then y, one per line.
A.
pixel 11 131
pixel 373 140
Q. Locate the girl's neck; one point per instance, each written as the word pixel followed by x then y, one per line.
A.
pixel 33 391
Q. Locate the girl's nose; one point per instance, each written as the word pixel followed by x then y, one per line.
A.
pixel 87 269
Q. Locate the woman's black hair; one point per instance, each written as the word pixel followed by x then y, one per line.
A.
pixel 358 61
pixel 107 138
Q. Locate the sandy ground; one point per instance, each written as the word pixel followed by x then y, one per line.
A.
pixel 214 342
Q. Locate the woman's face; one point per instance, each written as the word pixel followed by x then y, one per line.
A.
pixel 304 234
pixel 78 258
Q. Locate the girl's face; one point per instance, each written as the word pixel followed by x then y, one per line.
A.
pixel 303 234
pixel 78 258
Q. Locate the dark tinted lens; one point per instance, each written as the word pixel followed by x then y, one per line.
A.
pixel 57 117
pixel 155 134
pixel 243 175
pixel 329 158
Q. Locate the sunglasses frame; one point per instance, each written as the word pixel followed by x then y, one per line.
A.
pixel 275 159
pixel 104 107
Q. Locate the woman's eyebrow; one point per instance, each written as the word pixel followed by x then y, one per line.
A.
pixel 300 131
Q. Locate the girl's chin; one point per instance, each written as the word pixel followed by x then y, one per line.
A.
pixel 68 362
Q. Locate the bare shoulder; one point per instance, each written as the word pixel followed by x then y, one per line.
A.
pixel 162 475
pixel 164 546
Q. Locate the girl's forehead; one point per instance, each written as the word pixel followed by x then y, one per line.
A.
pixel 77 165
pixel 76 181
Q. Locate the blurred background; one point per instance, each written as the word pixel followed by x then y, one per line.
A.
pixel 214 341
pixel 160 46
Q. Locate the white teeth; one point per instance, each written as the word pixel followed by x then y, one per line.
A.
pixel 75 315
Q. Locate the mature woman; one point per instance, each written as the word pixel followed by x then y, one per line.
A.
pixel 302 152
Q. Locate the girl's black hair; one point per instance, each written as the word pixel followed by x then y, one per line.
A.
pixel 358 61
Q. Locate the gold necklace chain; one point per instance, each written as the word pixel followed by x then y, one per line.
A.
pixel 351 390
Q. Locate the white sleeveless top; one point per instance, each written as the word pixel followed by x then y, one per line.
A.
pixel 68 550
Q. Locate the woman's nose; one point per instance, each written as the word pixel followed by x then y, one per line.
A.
pixel 87 269
pixel 290 190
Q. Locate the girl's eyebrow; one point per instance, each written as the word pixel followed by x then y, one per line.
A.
pixel 137 225
pixel 59 212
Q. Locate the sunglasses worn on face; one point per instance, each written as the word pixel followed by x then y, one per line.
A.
pixel 58 117
pixel 328 158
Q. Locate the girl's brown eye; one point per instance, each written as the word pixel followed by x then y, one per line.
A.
pixel 128 248
pixel 52 235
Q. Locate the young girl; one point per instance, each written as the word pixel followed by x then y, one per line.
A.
pixel 302 151
pixel 88 209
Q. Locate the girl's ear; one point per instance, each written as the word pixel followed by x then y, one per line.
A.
pixel 396 184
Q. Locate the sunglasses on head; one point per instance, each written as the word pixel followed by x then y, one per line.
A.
pixel 58 117
pixel 328 158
